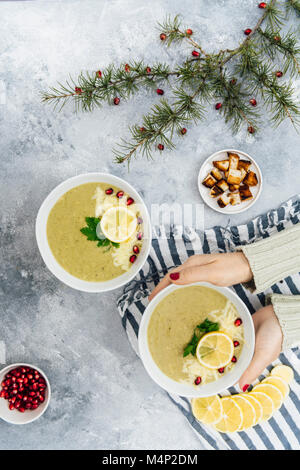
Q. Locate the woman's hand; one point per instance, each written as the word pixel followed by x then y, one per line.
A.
pixel 268 344
pixel 220 269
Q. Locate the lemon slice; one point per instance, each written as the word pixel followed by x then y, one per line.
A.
pixel 209 410
pixel 273 392
pixel 285 372
pixel 232 418
pixel 279 383
pixel 248 412
pixel 118 224
pixel 256 405
pixel 266 403
pixel 215 350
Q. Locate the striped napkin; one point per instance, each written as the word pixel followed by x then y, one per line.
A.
pixel 169 249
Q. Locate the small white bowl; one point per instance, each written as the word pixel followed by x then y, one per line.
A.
pixel 47 255
pixel 14 416
pixel 206 168
pixel 227 380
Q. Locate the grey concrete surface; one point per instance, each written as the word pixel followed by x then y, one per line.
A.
pixel 102 397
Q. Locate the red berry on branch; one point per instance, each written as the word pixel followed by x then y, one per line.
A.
pixel 262 5
pixel 278 74
pixel 233 81
pixel 238 322
pixel 183 131
pixel 78 90
pixel 159 91
pixel 160 146
pixel 142 129
pixel 148 70
pixel 116 101
pixel 198 381
pixel 163 36
pixel 99 74
pixel 253 102
pixel 218 106
pixel 132 258
pixel 127 68
pixel 195 53
pixel 277 38
pixel 248 31
pixel 251 130
pixel 189 32
pixel 221 370
pixel 234 359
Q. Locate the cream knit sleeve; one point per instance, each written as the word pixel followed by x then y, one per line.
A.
pixel 287 310
pixel 273 258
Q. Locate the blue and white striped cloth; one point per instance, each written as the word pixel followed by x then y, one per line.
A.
pixel 282 431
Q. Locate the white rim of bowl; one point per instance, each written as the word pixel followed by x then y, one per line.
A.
pixel 170 385
pixel 6 369
pixel 259 190
pixel 52 264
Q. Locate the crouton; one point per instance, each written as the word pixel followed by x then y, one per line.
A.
pixel 234 177
pixel 222 165
pixel 251 179
pixel 245 164
pixel 226 174
pixel 223 201
pixel 233 161
pixel 235 198
pixel 216 174
pixel 215 191
pixel 233 187
pixel 222 185
pixel 245 193
pixel 209 181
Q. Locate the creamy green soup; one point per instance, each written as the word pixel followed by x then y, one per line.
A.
pixel 172 325
pixel 78 256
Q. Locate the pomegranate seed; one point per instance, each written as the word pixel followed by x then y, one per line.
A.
pixel 127 68
pixel 148 70
pixel 29 376
pixel 109 191
pixel 253 102
pixel 33 407
pixel 198 381
pixel 195 54
pixel 116 100
pixel 238 322
pixel 159 91
pixel 32 394
pixel 279 74
pixel 132 258
pixel 162 36
pixel 17 404
pixel 183 131
pixel 160 147
pixel 15 391
pixel 2 394
pixel 35 386
pixel 189 32
pixel 23 370
pixel 78 90
pixel 129 201
pixel 3 384
pixel 28 406
pixel 234 359
pixel 25 398
pixel 13 379
pixel 11 406
pixel 262 5
pixel 248 31
pixel 25 381
pixel 30 399
pixel 251 130
pixel 20 380
pixel 21 389
pixel 218 106
pixel 236 344
pixel 41 399
pixel 221 370
pixel 139 236
pixel 99 74
pixel 120 194
pixel 35 402
pixel 21 409
pixel 136 249
pixel 139 220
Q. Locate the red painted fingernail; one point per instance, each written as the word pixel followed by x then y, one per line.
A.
pixel 174 276
pixel 245 387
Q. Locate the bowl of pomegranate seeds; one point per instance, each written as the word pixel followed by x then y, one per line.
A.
pixel 24 393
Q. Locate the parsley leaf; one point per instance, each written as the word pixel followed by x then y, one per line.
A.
pixel 90 232
pixel 204 327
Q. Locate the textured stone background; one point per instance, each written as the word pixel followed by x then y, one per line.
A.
pixel 102 397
